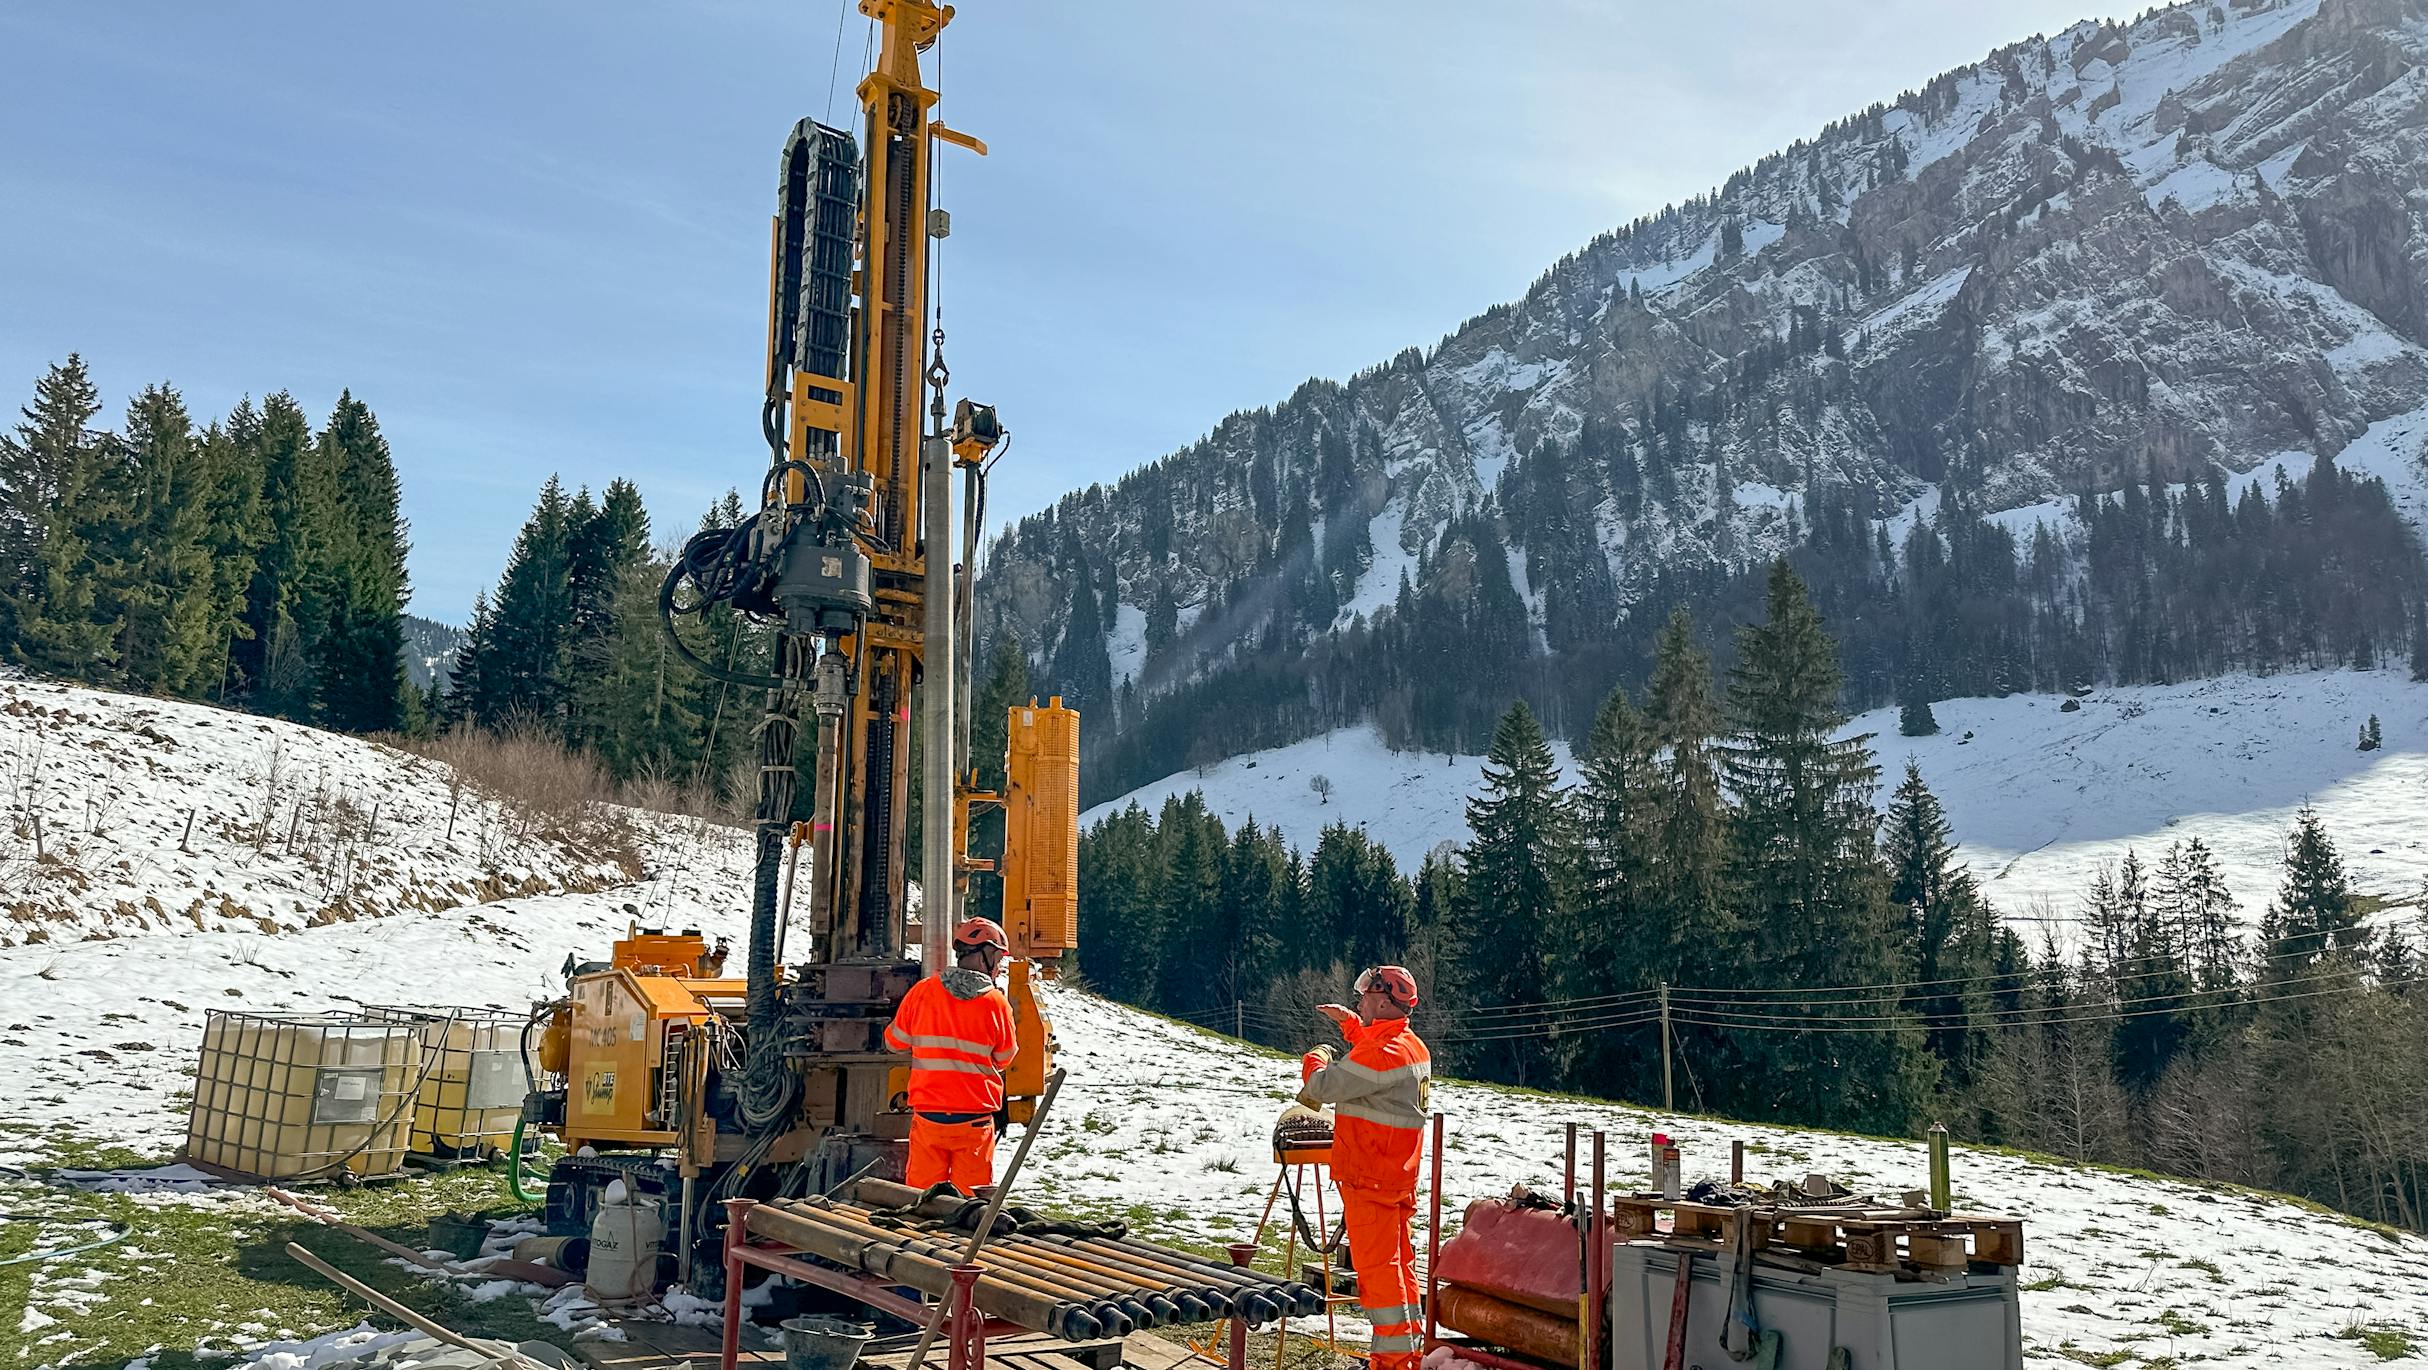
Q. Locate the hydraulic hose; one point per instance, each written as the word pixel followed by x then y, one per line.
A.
pixel 514 1169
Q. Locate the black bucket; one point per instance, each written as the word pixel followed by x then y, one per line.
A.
pixel 814 1343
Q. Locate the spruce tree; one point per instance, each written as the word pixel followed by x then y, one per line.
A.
pixel 1809 883
pixel 1914 716
pixel 1121 906
pixel 359 657
pixel 53 475
pixel 2192 896
pixel 286 607
pixel 1948 927
pixel 521 668
pixel 2317 911
pixel 1617 809
pixel 1083 668
pixel 168 626
pixel 1689 929
pixel 605 550
pixel 640 704
pixel 234 536
pixel 1518 865
pixel 1260 907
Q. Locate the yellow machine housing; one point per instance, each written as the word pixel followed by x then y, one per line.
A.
pixel 631 1039
pixel 1041 832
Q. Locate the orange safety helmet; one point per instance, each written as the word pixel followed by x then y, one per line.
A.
pixel 1394 981
pixel 976 932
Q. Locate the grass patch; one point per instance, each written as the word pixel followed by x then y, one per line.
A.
pixel 2382 1341
pixel 218 1275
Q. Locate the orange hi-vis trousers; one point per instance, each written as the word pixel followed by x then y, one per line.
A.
pixel 1379 1246
pixel 963 1153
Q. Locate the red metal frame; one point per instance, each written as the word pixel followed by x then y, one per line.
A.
pixel 1433 1237
pixel 966 1330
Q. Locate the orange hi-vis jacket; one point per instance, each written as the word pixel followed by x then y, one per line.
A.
pixel 1378 1093
pixel 957 1028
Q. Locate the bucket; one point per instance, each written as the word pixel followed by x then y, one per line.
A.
pixel 569 1254
pixel 624 1242
pixel 812 1343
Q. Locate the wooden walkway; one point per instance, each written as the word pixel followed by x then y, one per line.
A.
pixel 666 1346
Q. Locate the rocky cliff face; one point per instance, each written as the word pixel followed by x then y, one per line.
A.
pixel 2119 254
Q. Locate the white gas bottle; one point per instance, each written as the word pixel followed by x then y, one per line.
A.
pixel 625 1239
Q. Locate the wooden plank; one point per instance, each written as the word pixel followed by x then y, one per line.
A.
pixel 1146 1351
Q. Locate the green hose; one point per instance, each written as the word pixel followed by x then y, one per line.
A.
pixel 514 1169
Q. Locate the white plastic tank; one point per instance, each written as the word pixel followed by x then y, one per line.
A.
pixel 625 1239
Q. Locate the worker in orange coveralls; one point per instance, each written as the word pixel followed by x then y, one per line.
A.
pixel 957 1028
pixel 1378 1093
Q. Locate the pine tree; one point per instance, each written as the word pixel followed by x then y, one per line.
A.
pixel 234 535
pixel 640 704
pixel 520 671
pixel 1810 885
pixel 52 475
pixel 2317 911
pixel 168 637
pixel 2193 898
pixel 1617 808
pixel 1190 845
pixel 604 550
pixel 1519 862
pixel 1689 926
pixel 286 607
pixel 1949 928
pixel 359 656
pixel 1914 716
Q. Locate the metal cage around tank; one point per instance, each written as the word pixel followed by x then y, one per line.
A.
pixel 303 1096
pixel 473 1086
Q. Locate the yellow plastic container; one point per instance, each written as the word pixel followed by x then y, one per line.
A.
pixel 475 1084
pixel 303 1096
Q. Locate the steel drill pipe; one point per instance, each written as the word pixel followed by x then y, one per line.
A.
pixel 1155 1300
pixel 1111 1312
pixel 1258 1302
pixel 996 1297
pixel 1291 1295
pixel 1148 1284
pixel 1186 1271
pixel 1094 1294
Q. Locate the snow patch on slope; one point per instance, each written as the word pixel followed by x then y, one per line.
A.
pixel 1407 801
pixel 2038 797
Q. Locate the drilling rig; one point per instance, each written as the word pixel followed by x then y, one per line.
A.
pixel 662 1072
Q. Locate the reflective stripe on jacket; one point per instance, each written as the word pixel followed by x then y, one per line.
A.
pixel 958 1046
pixel 1378 1093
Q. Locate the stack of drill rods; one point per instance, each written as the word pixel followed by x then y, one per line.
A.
pixel 1072 1287
pixel 879 1253
pixel 1151 1286
pixel 1268 1297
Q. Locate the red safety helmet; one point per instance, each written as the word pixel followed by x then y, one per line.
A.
pixel 1392 980
pixel 981 932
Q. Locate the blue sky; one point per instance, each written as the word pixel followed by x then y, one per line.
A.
pixel 533 236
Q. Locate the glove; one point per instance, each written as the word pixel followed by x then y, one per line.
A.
pixel 1312 1062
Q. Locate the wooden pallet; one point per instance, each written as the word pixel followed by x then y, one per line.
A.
pixel 667 1346
pixel 1850 1237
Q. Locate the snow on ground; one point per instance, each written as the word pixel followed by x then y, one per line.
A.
pixel 1408 801
pixel 155 814
pixel 100 1037
pixel 1174 1126
pixel 2038 797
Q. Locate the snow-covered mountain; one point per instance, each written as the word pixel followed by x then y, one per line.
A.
pixel 2038 795
pixel 2162 252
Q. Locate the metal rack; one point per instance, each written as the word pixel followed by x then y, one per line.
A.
pixel 472 1084
pixel 303 1096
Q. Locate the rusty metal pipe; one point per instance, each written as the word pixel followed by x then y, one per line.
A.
pixel 1100 1298
pixel 1527 1331
pixel 996 1296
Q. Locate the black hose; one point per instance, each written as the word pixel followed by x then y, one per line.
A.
pixel 667 612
